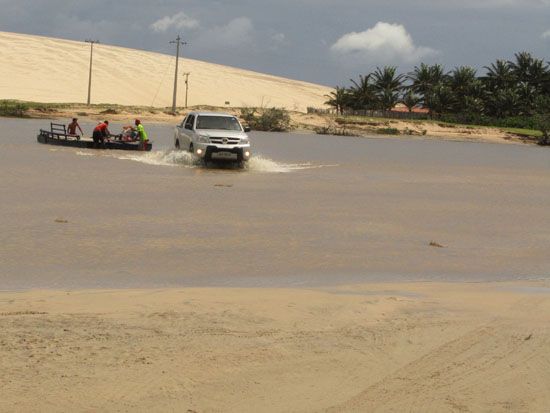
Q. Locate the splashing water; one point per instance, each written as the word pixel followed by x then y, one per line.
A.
pixel 82 153
pixel 261 164
pixel 182 158
pixel 163 158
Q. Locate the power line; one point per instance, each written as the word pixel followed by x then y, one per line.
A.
pixel 168 66
pixel 92 42
pixel 186 74
pixel 178 42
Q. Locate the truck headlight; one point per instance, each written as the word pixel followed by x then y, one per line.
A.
pixel 203 139
pixel 244 141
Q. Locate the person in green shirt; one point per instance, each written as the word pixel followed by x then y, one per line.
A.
pixel 142 135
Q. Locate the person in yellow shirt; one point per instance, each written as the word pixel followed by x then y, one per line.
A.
pixel 142 135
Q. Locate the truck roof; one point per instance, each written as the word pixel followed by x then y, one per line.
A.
pixel 211 114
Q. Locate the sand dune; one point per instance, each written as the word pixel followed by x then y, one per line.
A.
pixel 43 69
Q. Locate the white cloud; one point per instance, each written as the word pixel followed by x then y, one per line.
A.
pixel 277 41
pixel 385 41
pixel 237 33
pixel 278 38
pixel 177 21
pixel 546 34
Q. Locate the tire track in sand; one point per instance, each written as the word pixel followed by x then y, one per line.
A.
pixel 488 361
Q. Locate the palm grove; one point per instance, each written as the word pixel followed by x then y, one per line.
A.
pixel 511 93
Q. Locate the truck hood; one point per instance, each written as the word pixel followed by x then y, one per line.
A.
pixel 221 133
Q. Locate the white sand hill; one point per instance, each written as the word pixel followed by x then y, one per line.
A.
pixel 43 69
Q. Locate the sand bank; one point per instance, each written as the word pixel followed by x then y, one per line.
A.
pixel 384 347
pixel 301 122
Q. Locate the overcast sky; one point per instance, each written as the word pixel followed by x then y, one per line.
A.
pixel 322 41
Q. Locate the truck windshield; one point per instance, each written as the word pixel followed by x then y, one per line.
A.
pixel 218 122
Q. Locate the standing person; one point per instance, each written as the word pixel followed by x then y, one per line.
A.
pixel 142 135
pixel 71 127
pixel 101 131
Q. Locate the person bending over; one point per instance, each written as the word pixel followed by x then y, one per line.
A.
pixel 101 131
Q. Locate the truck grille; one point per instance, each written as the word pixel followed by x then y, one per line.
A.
pixel 225 141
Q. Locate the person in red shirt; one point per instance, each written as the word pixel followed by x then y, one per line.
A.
pixel 101 131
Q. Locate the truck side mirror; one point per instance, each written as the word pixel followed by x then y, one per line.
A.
pixel 247 129
pixel 188 126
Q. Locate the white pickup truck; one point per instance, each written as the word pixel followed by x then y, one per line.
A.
pixel 213 136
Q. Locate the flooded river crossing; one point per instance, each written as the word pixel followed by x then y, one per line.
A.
pixel 309 210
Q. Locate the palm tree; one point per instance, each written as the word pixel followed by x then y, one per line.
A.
pixel 362 95
pixel 338 99
pixel 442 99
pixel 530 70
pixel 502 102
pixel 522 66
pixel 410 100
pixel 387 86
pixel 499 76
pixel 527 96
pixel 424 79
pixel 467 89
pixel 462 80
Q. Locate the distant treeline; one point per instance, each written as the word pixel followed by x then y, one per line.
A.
pixel 511 93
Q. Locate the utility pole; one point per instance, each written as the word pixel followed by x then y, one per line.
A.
pixel 178 42
pixel 92 42
pixel 186 74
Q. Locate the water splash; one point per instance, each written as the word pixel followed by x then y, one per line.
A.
pixel 163 158
pixel 177 158
pixel 261 164
pixel 82 153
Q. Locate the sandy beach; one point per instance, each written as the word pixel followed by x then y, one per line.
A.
pixel 431 347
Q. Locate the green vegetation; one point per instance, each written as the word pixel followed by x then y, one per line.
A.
pixel 511 94
pixel 19 109
pixel 543 124
pixel 334 129
pixel 388 131
pixel 271 119
pixel 13 108
pixel 110 111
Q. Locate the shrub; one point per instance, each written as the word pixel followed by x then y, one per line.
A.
pixel 109 111
pixel 332 129
pixel 543 124
pixel 13 108
pixel 388 131
pixel 271 119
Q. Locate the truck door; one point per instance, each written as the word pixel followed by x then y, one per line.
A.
pixel 187 131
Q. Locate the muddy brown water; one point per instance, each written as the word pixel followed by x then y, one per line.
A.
pixel 309 210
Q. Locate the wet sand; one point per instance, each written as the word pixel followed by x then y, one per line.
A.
pixel 305 282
